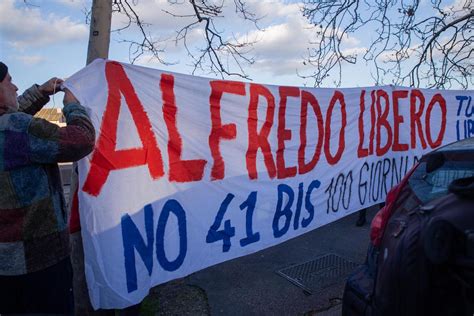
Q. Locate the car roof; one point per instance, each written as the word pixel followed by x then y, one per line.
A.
pixel 461 145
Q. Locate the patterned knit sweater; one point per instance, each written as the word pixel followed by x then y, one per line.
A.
pixel 33 224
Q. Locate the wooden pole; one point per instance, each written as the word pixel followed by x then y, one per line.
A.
pixel 99 39
pixel 99 35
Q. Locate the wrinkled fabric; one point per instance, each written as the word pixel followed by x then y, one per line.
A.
pixel 33 223
pixel 189 172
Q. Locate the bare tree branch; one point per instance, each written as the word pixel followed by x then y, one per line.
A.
pixel 406 42
pixel 147 43
pixel 220 54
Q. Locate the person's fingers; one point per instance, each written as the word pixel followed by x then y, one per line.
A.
pixel 69 97
pixel 54 85
pixel 67 92
pixel 58 80
pixel 51 86
pixel 57 84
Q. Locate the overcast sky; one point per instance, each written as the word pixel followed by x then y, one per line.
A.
pixel 50 37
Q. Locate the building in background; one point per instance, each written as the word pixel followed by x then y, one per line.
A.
pixel 53 115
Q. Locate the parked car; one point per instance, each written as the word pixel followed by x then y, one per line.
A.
pixel 420 259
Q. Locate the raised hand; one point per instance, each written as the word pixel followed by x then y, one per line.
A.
pixel 69 97
pixel 51 86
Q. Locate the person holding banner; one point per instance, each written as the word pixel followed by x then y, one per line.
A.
pixel 35 269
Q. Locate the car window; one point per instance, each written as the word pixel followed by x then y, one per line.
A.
pixel 429 186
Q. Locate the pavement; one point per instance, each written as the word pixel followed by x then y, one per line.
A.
pixel 249 285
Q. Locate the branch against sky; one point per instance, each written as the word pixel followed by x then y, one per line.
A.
pixel 219 54
pixel 276 46
pixel 408 42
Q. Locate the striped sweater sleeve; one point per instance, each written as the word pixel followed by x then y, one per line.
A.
pixel 49 143
pixel 32 100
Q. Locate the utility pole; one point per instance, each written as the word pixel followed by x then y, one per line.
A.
pixel 99 40
pixel 99 36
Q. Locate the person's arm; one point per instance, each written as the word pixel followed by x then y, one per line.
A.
pixel 34 98
pixel 49 143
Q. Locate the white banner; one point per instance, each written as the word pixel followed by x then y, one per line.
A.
pixel 189 172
